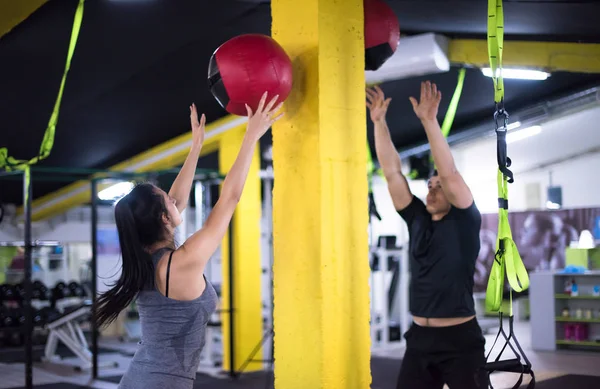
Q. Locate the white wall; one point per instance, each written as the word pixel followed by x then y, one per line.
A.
pixel 568 147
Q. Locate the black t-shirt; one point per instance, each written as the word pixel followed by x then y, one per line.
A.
pixel 442 260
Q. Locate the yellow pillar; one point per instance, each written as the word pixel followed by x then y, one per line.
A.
pixel 15 12
pixel 246 272
pixel 320 208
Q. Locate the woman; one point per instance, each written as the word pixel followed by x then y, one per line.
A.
pixel 174 299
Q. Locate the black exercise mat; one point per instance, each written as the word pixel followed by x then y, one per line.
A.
pixel 17 354
pixel 249 380
pixel 568 381
pixel 114 379
pixel 60 385
pixel 383 370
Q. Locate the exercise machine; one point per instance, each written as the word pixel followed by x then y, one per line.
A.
pixel 390 316
pixel 212 353
pixel 66 329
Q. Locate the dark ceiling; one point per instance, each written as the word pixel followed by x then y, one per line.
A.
pixel 140 63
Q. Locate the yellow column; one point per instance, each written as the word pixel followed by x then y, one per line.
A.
pixel 15 12
pixel 246 272
pixel 320 208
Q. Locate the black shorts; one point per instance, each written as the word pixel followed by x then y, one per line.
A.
pixel 444 355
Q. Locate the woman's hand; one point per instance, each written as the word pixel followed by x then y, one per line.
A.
pixel 377 103
pixel 261 120
pixel 197 127
pixel 427 108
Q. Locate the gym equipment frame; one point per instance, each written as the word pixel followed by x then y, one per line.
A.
pixel 69 175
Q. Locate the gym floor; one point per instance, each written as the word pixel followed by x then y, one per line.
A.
pixel 385 364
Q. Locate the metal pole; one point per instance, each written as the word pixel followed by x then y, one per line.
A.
pixel 200 191
pixel 207 204
pixel 232 372
pixel 94 277
pixel 181 232
pixel 27 283
pixel 268 194
pixel 206 208
pixel 385 314
pixel 405 318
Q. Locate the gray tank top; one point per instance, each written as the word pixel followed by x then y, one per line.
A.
pixel 173 332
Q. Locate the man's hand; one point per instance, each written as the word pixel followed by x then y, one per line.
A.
pixel 427 108
pixel 377 103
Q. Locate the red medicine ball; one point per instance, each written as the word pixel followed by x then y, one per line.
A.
pixel 382 33
pixel 244 67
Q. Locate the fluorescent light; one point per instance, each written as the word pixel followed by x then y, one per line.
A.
pixel 551 205
pixel 512 126
pixel 518 74
pixel 522 134
pixel 116 191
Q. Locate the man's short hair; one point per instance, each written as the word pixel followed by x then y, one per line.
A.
pixel 433 173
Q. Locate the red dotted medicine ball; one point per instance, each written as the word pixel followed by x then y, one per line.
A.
pixel 382 33
pixel 244 67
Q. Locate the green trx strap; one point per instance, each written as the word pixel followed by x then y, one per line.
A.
pixel 507 259
pixel 452 108
pixel 9 163
pixel 451 113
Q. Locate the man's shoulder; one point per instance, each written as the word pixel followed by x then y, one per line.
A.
pixel 468 215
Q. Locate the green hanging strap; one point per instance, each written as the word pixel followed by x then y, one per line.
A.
pixel 452 108
pixel 9 163
pixel 507 260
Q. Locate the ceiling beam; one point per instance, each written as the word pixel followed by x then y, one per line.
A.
pixel 15 11
pixel 169 154
pixel 549 56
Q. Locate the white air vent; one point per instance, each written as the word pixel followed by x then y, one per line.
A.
pixel 416 55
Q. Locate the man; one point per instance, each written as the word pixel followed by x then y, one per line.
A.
pixel 445 343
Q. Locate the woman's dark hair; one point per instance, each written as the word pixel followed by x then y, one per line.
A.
pixel 138 216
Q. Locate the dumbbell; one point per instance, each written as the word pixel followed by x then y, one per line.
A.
pixel 40 291
pixel 8 318
pixel 47 315
pixel 19 291
pixel 76 289
pixel 7 292
pixel 60 291
pixel 39 319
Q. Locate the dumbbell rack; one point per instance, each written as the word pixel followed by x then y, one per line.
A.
pixel 47 305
